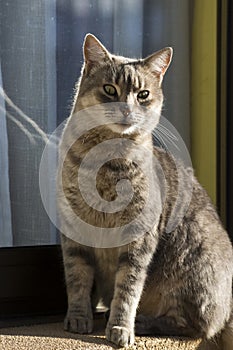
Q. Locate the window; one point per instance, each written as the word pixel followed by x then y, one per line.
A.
pixel 41 59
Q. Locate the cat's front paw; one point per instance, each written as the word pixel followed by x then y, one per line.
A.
pixel 121 336
pixel 79 325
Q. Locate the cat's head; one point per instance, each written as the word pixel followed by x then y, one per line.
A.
pixel 132 88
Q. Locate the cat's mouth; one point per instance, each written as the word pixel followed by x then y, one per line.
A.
pixel 123 121
pixel 128 120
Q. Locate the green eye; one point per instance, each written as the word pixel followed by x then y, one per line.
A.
pixel 142 95
pixel 110 90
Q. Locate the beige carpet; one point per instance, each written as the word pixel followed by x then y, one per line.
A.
pixel 52 337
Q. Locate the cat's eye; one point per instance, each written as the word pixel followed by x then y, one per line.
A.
pixel 110 90
pixel 142 95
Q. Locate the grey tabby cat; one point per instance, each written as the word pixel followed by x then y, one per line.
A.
pixel 162 283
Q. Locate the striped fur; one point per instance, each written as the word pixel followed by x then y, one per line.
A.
pixel 166 283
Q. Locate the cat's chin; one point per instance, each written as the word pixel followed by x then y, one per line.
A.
pixel 123 129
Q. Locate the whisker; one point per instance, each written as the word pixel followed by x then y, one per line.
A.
pixel 157 137
pixel 169 132
pixel 166 136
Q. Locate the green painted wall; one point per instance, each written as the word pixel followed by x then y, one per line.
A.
pixel 203 93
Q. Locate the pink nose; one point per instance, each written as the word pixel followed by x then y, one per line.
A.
pixel 125 111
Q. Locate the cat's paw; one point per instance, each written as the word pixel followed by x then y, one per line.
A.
pixel 121 336
pixel 79 325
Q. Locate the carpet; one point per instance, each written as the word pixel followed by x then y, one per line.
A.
pixel 51 336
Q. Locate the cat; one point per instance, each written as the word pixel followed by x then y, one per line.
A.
pixel 164 282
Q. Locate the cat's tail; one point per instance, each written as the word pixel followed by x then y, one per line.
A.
pixel 224 341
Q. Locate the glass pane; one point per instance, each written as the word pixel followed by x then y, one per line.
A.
pixel 41 59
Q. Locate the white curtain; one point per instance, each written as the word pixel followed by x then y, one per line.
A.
pixel 6 238
pixel 28 62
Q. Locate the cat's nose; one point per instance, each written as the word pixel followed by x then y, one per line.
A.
pixel 126 110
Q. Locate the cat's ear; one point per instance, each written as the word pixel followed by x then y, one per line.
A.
pixel 159 62
pixel 94 52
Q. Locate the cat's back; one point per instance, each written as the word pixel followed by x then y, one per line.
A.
pixel 191 234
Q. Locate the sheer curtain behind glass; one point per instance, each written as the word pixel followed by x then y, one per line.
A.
pixel 41 58
pixel 28 78
pixel 5 209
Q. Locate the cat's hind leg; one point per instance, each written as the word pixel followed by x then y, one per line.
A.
pixel 164 326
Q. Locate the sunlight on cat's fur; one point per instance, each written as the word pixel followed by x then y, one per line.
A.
pixel 176 283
